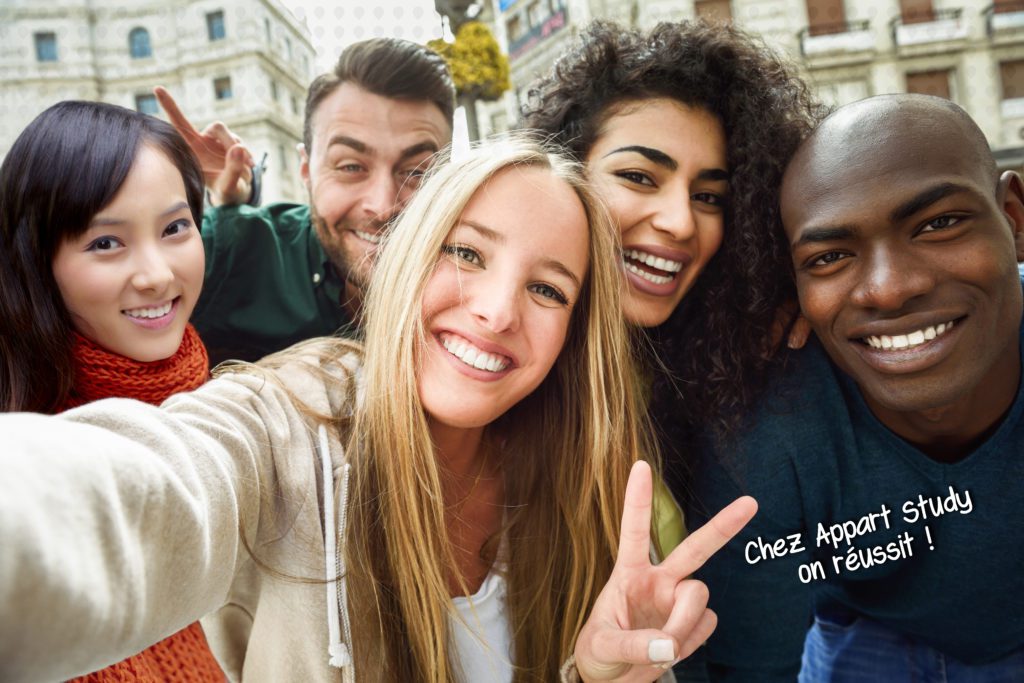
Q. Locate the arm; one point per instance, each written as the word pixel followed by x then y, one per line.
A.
pixel 120 521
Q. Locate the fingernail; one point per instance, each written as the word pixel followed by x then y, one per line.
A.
pixel 661 650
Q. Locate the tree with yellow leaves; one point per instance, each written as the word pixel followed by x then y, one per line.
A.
pixel 479 68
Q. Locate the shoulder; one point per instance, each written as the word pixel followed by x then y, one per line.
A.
pixel 282 217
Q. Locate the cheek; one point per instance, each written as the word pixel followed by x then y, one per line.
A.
pixel 625 207
pixel 333 200
pixel 712 232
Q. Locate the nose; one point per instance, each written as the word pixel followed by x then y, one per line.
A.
pixel 495 304
pixel 675 218
pixel 890 279
pixel 380 201
pixel 152 272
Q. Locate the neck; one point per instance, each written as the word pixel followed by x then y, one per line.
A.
pixel 951 432
pixel 458 450
pixel 352 300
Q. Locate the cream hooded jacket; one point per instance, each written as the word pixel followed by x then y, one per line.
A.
pixel 120 524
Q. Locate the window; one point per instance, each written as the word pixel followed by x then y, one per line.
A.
pixel 916 11
pixel 1000 6
pixel 515 28
pixel 826 16
pixel 929 83
pixel 222 87
pixel 215 26
pixel 284 160
pixel 295 105
pixel 288 47
pixel 138 43
pixel 46 47
pixel 719 11
pixel 535 13
pixel 266 28
pixel 1012 75
pixel 273 89
pixel 146 103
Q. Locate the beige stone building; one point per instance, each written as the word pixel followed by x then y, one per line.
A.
pixel 244 62
pixel 971 51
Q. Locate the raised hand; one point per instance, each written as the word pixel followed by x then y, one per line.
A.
pixel 225 160
pixel 647 617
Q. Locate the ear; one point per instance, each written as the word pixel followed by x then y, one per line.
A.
pixel 303 164
pixel 1010 195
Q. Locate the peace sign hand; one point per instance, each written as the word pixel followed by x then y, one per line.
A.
pixel 225 160
pixel 649 616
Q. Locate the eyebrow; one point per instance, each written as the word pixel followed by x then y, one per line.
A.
pixel 824 234
pixel 924 199
pixel 363 148
pixel 658 157
pixel 498 238
pixel 97 222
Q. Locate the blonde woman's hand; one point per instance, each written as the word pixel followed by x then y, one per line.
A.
pixel 647 617
pixel 225 160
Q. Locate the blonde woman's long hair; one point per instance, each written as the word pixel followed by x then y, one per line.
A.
pixel 568 446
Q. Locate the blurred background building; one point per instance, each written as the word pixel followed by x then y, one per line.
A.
pixel 971 51
pixel 244 62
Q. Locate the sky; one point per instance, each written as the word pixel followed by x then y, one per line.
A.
pixel 335 24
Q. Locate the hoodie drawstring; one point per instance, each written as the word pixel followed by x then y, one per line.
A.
pixel 337 650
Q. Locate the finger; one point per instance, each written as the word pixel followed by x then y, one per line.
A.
pixel 613 648
pixel 222 134
pixel 698 636
pixel 233 185
pixel 695 550
pixel 177 119
pixel 635 535
pixel 690 599
pixel 799 333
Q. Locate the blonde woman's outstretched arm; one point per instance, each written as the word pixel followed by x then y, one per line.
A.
pixel 119 522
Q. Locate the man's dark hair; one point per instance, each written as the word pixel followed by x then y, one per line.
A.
pixel 63 169
pixel 389 67
pixel 715 344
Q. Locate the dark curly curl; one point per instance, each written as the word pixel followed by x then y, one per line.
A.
pixel 714 349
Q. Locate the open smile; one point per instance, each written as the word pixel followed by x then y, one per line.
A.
pixel 153 317
pixel 371 237
pixel 653 273
pixel 912 350
pixel 475 358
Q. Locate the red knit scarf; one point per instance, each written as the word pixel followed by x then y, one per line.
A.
pixel 100 373
pixel 184 657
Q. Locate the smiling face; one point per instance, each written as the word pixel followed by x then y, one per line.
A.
pixel 131 280
pixel 906 266
pixel 497 307
pixel 368 153
pixel 661 168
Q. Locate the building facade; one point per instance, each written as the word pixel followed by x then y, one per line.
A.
pixel 971 51
pixel 244 62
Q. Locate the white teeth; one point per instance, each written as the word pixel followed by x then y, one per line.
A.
pixel 654 261
pixel 650 277
pixel 372 237
pixel 909 340
pixel 149 312
pixel 470 355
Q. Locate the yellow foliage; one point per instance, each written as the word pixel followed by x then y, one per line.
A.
pixel 478 66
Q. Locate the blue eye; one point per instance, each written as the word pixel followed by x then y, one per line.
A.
pixel 549 292
pixel 462 253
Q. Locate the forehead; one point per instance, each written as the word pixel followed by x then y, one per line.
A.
pixel 684 132
pixel 866 170
pixel 536 213
pixel 384 123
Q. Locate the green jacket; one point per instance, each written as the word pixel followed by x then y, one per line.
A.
pixel 269 283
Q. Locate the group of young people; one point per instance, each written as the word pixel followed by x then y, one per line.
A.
pixel 512 363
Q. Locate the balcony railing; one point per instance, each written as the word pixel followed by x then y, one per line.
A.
pixel 1003 16
pixel 931 27
pixel 536 34
pixel 847 36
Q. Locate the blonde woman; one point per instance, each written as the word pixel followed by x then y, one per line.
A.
pixel 442 505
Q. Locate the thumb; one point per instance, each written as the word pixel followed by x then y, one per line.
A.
pixel 621 649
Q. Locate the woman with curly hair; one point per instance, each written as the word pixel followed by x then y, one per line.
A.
pixel 685 131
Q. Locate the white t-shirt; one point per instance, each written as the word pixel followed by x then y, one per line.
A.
pixel 484 642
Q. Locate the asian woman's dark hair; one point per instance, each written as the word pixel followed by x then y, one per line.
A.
pixel 716 346
pixel 64 168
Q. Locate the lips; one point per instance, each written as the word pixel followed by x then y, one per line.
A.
pixel 153 317
pixel 909 340
pixel 914 348
pixel 654 270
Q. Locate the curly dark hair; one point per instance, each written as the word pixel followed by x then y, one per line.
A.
pixel 714 349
